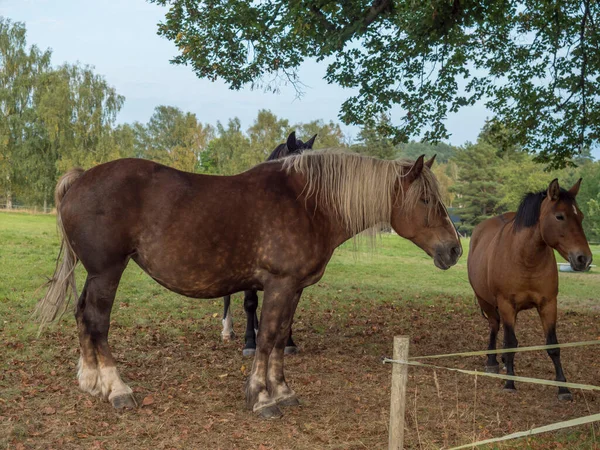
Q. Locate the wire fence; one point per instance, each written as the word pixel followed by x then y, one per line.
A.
pixel 32 209
pixel 413 361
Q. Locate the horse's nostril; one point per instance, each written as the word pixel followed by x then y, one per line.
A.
pixel 582 260
pixel 456 251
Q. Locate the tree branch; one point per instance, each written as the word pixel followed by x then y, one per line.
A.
pixel 360 24
pixel 377 8
pixel 583 72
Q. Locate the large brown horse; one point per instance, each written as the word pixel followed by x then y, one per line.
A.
pixel 272 228
pixel 512 267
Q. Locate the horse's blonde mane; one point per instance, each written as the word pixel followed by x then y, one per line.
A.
pixel 360 189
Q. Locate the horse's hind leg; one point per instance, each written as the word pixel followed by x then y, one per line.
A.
pixel 548 316
pixel 227 333
pixel 491 314
pixel 250 307
pixel 97 369
pixel 508 315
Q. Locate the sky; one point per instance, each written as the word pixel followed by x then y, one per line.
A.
pixel 118 38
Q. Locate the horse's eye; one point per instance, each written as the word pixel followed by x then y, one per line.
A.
pixel 425 200
pixel 560 217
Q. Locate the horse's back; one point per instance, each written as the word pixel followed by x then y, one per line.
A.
pixel 482 247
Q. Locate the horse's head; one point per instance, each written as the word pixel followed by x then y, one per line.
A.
pixel 420 216
pixel 560 225
pixel 296 146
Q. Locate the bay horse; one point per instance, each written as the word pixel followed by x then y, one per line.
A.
pixel 292 146
pixel 272 228
pixel 512 267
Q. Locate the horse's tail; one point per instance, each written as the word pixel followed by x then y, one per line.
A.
pixel 54 304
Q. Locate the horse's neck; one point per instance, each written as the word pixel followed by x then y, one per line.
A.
pixel 327 219
pixel 531 250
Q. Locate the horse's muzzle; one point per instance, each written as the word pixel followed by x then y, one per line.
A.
pixel 446 255
pixel 580 261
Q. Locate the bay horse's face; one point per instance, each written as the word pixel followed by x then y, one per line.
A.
pixel 427 226
pixel 560 225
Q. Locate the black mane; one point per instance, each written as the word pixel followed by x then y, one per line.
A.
pixel 282 150
pixel 528 213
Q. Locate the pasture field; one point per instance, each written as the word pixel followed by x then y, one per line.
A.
pixel 190 383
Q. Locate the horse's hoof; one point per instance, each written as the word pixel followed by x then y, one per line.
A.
pixel 249 352
pixel 123 402
pixel 492 369
pixel 565 396
pixel 228 336
pixel 289 350
pixel 270 412
pixel 289 401
pixel 510 390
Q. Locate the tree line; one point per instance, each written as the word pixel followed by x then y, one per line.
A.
pixel 55 118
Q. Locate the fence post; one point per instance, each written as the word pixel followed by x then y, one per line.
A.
pixel 398 397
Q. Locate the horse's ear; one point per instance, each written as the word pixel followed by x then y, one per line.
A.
pixel 430 162
pixel 416 169
pixel 554 190
pixel 575 189
pixel 310 142
pixel 291 142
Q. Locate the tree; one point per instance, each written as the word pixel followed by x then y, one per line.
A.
pixel 94 106
pixel 124 140
pixel 588 196
pixel 173 138
pixel 499 136
pixel 20 72
pixel 329 135
pixel 443 173
pixel 373 140
pixel 534 62
pixel 265 134
pixel 412 150
pixel 47 135
pixel 477 189
pixel 593 219
pixel 225 153
pixel 520 175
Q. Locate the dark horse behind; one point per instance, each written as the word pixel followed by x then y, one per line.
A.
pixel 284 220
pixel 292 146
pixel 512 267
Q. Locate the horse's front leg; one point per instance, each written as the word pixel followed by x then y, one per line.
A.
pixel 274 318
pixel 276 384
pixel 508 315
pixel 98 373
pixel 548 314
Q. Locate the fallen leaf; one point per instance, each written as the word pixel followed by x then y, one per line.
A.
pixel 49 410
pixel 148 400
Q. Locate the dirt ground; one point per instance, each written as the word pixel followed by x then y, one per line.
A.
pixel 190 385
